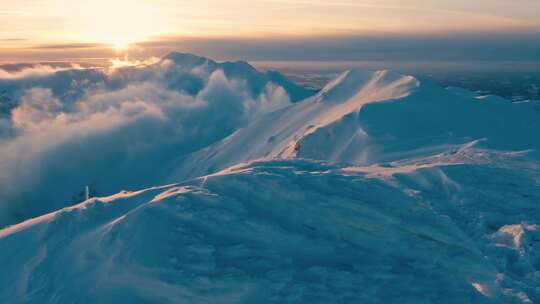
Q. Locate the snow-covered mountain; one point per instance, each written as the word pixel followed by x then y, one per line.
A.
pixel 366 117
pixel 381 188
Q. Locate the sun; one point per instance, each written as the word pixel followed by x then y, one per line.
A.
pixel 122 23
pixel 121 45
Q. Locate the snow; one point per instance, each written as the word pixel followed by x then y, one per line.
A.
pixel 271 232
pixel 365 118
pixel 381 188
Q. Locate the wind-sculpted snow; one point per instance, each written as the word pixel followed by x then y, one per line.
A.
pixel 381 188
pixel 119 129
pixel 289 232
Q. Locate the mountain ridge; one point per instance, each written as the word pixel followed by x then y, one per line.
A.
pixel 379 188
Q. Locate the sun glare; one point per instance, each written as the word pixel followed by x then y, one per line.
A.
pixel 121 22
pixel 121 46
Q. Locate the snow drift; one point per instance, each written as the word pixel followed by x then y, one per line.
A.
pixel 380 188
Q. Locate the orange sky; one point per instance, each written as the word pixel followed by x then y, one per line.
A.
pixel 52 25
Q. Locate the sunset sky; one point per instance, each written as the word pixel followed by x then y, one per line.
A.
pixel 54 29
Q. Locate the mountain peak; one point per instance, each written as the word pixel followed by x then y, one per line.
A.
pixel 355 82
pixel 186 59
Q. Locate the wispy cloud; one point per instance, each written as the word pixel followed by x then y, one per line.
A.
pixel 13 39
pixel 11 13
pixel 70 46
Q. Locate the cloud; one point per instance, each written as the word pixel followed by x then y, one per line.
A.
pixel 510 45
pixel 11 13
pixel 34 71
pixel 126 129
pixel 71 46
pixel 38 106
pixel 13 39
pixel 505 45
pixel 126 62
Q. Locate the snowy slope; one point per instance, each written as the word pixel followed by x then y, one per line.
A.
pixel 289 232
pixel 382 188
pixel 365 117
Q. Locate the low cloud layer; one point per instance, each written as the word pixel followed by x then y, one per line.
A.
pixel 34 71
pixel 115 129
pixel 504 45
